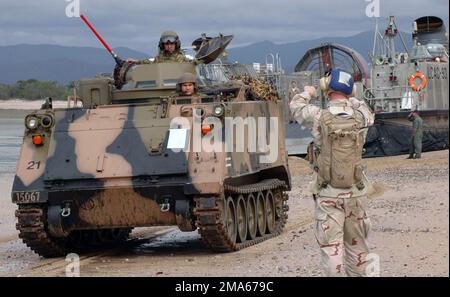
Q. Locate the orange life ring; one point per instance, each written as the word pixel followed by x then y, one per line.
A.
pixel 423 81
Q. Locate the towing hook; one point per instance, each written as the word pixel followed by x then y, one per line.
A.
pixel 65 212
pixel 165 206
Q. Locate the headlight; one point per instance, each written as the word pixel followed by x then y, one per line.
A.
pixel 218 110
pixel 31 122
pixel 46 121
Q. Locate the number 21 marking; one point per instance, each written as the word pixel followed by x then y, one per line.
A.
pixel 33 165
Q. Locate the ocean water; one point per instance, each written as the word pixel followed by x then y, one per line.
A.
pixel 11 132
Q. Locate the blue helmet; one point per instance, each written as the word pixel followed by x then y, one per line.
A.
pixel 338 81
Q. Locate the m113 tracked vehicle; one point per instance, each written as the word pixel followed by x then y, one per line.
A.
pixel 130 157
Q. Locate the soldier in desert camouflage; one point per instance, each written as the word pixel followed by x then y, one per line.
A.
pixel 339 186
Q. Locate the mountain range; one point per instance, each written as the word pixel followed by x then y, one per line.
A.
pixel 68 63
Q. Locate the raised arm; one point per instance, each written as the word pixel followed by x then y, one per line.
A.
pixel 304 113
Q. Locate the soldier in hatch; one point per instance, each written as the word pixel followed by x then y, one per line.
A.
pixel 187 85
pixel 169 50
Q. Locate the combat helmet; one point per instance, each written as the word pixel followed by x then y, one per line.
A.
pixel 169 36
pixel 187 78
pixel 338 80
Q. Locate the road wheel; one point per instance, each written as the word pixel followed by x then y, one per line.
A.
pixel 261 214
pixel 231 225
pixel 270 212
pixel 241 218
pixel 251 217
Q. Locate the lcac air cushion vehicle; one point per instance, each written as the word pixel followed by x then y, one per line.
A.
pixel 130 157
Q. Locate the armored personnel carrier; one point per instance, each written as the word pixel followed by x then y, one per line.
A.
pixel 136 154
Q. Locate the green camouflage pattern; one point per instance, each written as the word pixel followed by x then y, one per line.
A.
pixel 164 57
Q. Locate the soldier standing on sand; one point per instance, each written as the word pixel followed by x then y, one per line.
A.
pixel 169 50
pixel 339 186
pixel 415 148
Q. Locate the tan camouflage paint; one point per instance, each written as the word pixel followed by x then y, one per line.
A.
pixel 32 153
pixel 118 203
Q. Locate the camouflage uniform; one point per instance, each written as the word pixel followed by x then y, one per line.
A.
pixel 292 92
pixel 162 57
pixel 175 57
pixel 415 149
pixel 342 223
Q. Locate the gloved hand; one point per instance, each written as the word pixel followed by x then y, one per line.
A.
pixel 132 61
pixel 311 91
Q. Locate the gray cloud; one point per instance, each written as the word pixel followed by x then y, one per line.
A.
pixel 137 24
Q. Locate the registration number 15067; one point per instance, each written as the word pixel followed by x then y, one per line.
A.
pixel 27 197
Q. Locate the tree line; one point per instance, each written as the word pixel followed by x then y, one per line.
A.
pixel 33 89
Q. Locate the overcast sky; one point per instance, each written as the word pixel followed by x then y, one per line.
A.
pixel 137 24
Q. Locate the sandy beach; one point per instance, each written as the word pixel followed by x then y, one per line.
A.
pixel 21 104
pixel 409 208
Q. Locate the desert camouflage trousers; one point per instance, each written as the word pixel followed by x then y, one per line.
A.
pixel 342 227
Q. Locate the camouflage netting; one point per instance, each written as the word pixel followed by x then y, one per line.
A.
pixel 258 88
pixel 389 139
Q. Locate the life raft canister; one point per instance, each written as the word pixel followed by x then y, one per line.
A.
pixel 423 81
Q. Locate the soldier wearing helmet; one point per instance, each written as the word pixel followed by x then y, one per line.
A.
pixel 169 50
pixel 339 186
pixel 187 84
